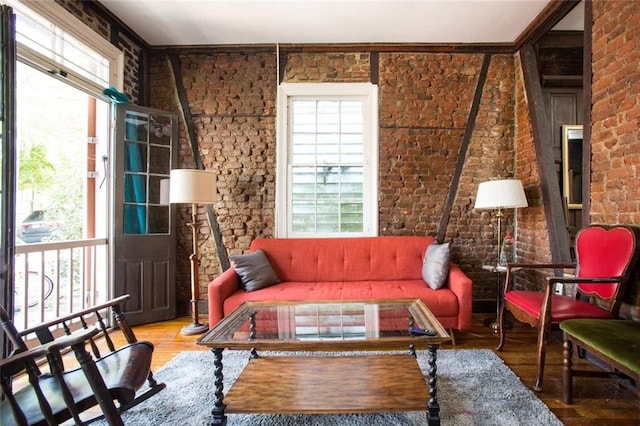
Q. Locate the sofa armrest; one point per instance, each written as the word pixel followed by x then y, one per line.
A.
pixel 219 290
pixel 462 287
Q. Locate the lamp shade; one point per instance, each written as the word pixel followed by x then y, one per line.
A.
pixel 504 193
pixel 192 186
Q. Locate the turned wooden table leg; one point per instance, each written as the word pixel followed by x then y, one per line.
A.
pixel 219 418
pixel 433 409
pixel 252 335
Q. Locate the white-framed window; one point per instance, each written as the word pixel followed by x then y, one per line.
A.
pixel 327 160
pixel 52 39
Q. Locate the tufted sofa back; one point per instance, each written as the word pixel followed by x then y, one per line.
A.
pixel 346 259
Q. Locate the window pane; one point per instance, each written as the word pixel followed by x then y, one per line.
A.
pixel 328 117
pixel 135 157
pixel 53 42
pixel 327 159
pixel 135 219
pixel 305 117
pixel 147 162
pixel 52 153
pixel 136 126
pixel 158 219
pixel 160 130
pixel 135 189
pixel 303 149
pixel 159 159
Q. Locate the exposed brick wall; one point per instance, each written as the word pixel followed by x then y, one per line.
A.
pixel 132 76
pixel 327 67
pixel 81 11
pixel 615 121
pixel 615 130
pixel 232 100
pixel 490 156
pixel 424 103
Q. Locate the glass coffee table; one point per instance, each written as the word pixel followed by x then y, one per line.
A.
pixel 316 380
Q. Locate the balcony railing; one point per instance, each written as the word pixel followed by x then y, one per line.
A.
pixel 59 278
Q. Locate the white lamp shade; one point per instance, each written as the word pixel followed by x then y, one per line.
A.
pixel 504 193
pixel 192 186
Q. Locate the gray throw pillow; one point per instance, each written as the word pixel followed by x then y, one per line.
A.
pixel 254 270
pixel 435 267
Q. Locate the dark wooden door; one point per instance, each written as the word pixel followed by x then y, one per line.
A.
pixel 144 232
pixel 564 106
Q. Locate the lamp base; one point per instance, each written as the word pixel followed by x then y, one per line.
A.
pixel 194 328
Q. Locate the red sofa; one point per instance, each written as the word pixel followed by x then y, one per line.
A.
pixel 348 269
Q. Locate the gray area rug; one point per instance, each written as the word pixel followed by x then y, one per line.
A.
pixel 474 388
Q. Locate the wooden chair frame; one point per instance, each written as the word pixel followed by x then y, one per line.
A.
pixel 617 370
pixel 544 320
pixel 63 393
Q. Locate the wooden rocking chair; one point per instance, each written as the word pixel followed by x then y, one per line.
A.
pixel 62 393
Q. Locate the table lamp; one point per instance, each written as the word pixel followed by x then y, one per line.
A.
pixel 498 195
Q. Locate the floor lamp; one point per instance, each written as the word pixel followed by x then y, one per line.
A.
pixel 196 187
pixel 498 195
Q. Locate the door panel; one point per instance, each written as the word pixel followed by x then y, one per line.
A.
pixel 144 240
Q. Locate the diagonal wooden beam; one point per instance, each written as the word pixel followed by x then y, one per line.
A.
pixel 464 147
pixel 187 118
pixel 551 196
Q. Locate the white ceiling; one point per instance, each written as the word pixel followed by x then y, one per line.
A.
pixel 216 22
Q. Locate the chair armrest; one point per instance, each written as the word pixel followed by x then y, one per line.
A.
pixel 586 280
pixel 462 287
pixel 113 302
pixel 521 266
pixel 54 347
pixel 516 267
pixel 21 357
pixel 79 336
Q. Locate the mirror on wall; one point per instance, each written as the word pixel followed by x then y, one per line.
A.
pixel 572 165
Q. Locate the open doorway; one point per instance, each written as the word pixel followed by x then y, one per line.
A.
pixel 62 136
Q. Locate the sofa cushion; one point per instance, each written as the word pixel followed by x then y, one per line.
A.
pixel 345 259
pixel 442 303
pixel 562 307
pixel 435 267
pixel 254 270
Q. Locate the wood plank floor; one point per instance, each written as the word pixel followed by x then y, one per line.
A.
pixel 596 401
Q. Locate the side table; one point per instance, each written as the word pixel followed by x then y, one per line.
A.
pixel 498 270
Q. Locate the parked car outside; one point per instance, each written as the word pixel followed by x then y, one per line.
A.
pixel 37 227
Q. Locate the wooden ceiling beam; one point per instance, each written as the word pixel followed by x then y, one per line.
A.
pixel 546 20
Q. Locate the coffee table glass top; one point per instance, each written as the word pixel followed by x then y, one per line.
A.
pixel 330 325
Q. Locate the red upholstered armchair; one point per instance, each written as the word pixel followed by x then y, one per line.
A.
pixel 605 260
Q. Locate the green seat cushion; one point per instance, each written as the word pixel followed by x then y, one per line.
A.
pixel 618 339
